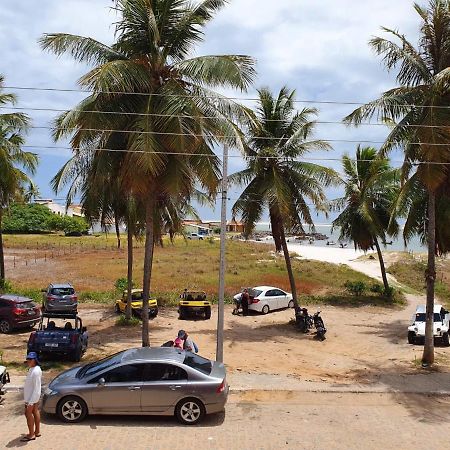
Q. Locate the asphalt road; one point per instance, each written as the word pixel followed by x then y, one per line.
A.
pixel 256 420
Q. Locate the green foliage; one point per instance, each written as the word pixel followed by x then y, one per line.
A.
pixel 356 288
pixel 33 218
pixel 217 230
pixel 121 284
pixel 377 288
pixel 122 321
pixel 5 286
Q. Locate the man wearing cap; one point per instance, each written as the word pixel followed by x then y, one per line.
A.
pixel 32 395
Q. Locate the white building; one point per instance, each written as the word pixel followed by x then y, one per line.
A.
pixel 61 210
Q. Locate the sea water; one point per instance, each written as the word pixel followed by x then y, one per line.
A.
pixel 413 245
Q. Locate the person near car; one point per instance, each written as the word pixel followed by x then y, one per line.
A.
pixel 188 344
pixel 244 302
pixel 32 395
pixel 178 343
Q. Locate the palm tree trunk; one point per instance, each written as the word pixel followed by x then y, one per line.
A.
pixel 287 258
pixel 116 224
pixel 130 268
pixel 2 256
pixel 274 223
pixel 382 266
pixel 430 276
pixel 148 262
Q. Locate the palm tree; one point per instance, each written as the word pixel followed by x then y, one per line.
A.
pixel 371 186
pixel 419 110
pixel 274 177
pixel 161 97
pixel 14 162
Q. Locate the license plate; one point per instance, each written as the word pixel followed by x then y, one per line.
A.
pixel 31 313
pixel 51 344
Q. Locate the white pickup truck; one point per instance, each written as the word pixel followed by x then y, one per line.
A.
pixel 441 325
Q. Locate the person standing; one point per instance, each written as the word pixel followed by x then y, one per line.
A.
pixel 32 395
pixel 244 302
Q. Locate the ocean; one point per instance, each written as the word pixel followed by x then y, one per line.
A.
pixel 397 244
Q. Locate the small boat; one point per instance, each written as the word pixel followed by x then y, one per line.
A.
pixel 331 243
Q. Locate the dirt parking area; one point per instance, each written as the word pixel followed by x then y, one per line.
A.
pixel 362 343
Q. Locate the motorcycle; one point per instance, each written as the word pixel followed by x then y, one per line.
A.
pixel 303 320
pixel 319 325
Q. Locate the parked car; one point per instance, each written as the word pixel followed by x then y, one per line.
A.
pixel 60 334
pixel 136 304
pixel 17 312
pixel 150 381
pixel 60 298
pixel 264 299
pixel 4 379
pixel 196 237
pixel 441 325
pixel 194 304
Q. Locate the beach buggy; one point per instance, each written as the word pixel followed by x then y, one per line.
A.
pixel 194 304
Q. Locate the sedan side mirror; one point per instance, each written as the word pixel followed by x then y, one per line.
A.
pixel 101 382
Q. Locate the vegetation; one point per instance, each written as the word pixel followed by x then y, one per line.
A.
pixel 371 186
pixel 15 163
pixel 123 321
pixel 418 111
pixel 274 178
pixel 161 165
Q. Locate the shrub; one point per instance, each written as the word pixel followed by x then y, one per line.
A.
pixel 122 321
pixel 121 284
pixel 5 286
pixel 377 288
pixel 355 287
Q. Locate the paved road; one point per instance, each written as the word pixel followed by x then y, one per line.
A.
pixel 256 420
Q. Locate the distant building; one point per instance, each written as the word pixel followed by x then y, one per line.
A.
pixel 234 226
pixel 208 226
pixel 61 210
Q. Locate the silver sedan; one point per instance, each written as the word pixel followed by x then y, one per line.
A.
pixel 150 381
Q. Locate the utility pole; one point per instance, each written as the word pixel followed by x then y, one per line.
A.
pixel 223 236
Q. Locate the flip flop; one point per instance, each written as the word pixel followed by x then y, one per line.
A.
pixel 37 435
pixel 27 439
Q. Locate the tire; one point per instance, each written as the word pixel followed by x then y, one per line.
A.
pixel 445 340
pixel 181 313
pixel 117 309
pixel 411 337
pixel 5 327
pixel 291 304
pixel 265 310
pixel 208 312
pixel 71 409
pixel 153 315
pixel 190 411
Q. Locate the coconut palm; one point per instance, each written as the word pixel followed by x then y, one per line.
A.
pixel 161 96
pixel 419 110
pixel 14 162
pixel 371 186
pixel 275 179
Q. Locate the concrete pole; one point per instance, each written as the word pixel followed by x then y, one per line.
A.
pixel 223 236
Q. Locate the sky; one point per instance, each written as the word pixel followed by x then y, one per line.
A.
pixel 318 48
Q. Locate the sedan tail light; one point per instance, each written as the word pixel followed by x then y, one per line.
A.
pixel 254 300
pixel 19 311
pixel 221 388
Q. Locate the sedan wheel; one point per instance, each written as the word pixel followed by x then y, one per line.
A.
pixel 5 326
pixel 190 411
pixel 265 309
pixel 72 409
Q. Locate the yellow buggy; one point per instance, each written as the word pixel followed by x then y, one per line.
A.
pixel 194 304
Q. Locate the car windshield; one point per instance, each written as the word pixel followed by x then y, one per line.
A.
pixel 63 291
pixel 199 363
pixel 136 296
pixel 98 366
pixel 421 317
pixel 254 293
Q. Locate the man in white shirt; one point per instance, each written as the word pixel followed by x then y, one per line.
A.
pixel 32 395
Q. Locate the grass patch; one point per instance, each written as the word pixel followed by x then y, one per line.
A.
pixel 354 301
pixel 122 321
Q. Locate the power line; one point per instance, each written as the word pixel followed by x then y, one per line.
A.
pixel 306 159
pixel 155 94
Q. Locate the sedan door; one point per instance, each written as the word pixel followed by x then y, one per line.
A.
pixel 118 390
pixel 164 386
pixel 282 299
pixel 271 298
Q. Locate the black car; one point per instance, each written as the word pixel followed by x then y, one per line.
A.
pixel 60 335
pixel 17 312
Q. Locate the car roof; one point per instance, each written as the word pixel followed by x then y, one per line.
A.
pixel 265 288
pixel 422 309
pixel 154 353
pixel 15 298
pixel 60 285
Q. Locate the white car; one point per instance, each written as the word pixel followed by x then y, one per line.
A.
pixel 196 237
pixel 264 299
pixel 416 331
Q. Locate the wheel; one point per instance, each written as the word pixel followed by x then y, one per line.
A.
pixel 189 411
pixel 181 313
pixel 5 327
pixel 291 304
pixel 155 313
pixel 208 312
pixel 200 239
pixel 117 309
pixel 445 340
pixel 265 309
pixel 71 409
pixel 411 337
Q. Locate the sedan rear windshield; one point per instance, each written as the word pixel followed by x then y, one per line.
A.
pixel 63 291
pixel 254 293
pixel 199 363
